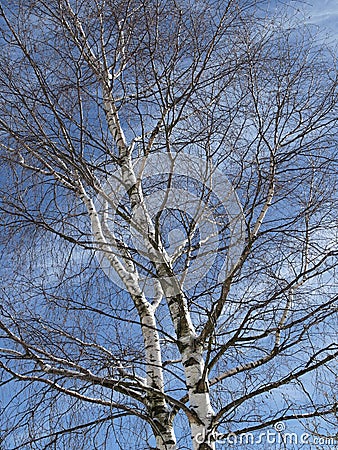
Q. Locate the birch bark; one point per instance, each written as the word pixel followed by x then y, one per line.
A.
pixel 191 351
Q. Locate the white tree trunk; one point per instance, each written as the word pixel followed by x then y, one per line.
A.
pixel 199 398
pixel 162 424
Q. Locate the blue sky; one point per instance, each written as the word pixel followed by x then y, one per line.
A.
pixel 324 14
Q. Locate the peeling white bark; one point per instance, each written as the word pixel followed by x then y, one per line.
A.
pixel 199 398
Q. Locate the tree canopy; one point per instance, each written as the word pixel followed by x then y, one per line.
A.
pixel 169 226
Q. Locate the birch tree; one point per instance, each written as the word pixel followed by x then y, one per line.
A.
pixel 169 238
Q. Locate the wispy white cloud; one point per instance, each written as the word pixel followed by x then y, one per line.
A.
pixel 324 14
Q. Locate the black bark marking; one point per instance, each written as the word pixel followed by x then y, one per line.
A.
pixel 190 362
